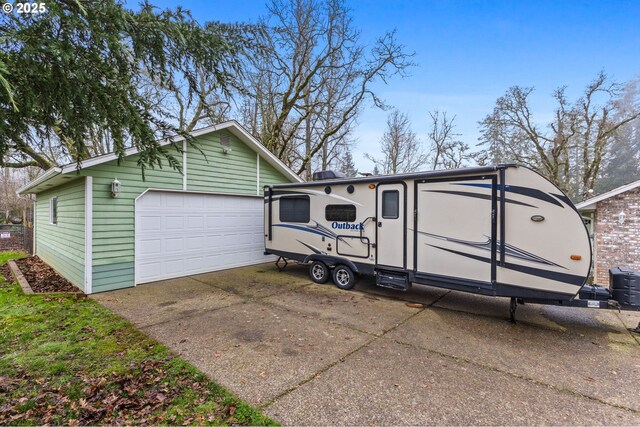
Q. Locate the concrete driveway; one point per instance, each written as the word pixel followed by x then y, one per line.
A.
pixel 310 354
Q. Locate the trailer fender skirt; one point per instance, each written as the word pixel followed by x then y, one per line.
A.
pixel 331 261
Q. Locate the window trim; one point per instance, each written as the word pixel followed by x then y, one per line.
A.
pixel 53 219
pixel 342 205
pixel 397 204
pixel 302 197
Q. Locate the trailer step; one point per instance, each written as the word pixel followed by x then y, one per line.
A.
pixel 392 280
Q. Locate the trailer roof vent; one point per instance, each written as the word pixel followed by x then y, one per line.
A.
pixel 322 175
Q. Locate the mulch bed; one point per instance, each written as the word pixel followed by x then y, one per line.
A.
pixel 43 278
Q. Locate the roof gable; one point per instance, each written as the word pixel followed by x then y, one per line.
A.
pixel 57 175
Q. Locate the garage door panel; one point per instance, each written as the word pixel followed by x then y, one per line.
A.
pixel 174 222
pixel 150 246
pixel 173 200
pixel 215 241
pixel 195 243
pixel 213 221
pixel 195 222
pixel 148 202
pixel 195 202
pixel 173 245
pixel 149 269
pixel 150 223
pixel 179 234
pixel 243 240
pixel 171 267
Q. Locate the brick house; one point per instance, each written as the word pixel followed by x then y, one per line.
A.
pixel 613 221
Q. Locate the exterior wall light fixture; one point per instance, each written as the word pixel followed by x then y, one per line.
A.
pixel 115 188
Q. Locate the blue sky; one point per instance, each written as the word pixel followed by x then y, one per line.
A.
pixel 470 52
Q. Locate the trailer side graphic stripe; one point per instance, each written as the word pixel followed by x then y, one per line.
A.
pixel 478 196
pixel 525 191
pixel 551 275
pixel 510 250
pixel 315 229
pixel 565 199
pixel 303 228
pixel 313 249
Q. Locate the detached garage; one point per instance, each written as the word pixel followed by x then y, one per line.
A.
pixel 169 225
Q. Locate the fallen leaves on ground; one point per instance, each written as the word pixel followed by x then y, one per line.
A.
pixel 139 395
pixel 69 361
pixel 43 278
pixel 414 305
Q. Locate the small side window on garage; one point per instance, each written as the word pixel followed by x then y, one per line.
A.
pixel 340 213
pixel 53 210
pixel 294 209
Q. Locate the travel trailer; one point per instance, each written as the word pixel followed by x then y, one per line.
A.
pixel 498 230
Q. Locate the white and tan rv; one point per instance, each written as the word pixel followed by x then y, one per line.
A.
pixel 501 230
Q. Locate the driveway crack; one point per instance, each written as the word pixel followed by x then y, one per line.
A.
pixel 315 374
pixel 462 360
pixel 374 338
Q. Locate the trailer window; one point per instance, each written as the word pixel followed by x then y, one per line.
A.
pixel 390 202
pixel 294 209
pixel 340 213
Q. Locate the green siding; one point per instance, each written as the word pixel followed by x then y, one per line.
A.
pixel 234 172
pixel 62 245
pixel 269 175
pixel 114 218
pixel 112 276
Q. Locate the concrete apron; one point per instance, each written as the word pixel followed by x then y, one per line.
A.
pixel 312 354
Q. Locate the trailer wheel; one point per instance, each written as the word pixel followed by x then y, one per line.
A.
pixel 319 272
pixel 343 277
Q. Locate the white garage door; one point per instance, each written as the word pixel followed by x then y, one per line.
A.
pixel 179 234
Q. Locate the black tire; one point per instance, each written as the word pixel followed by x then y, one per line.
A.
pixel 343 277
pixel 319 272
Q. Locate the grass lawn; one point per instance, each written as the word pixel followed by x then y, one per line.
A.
pixel 68 360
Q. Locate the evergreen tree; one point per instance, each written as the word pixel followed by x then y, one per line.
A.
pixel 347 165
pixel 77 71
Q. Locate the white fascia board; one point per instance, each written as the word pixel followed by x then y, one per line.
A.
pixel 39 180
pixel 587 204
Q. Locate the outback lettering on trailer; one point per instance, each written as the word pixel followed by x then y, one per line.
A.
pixel 347 226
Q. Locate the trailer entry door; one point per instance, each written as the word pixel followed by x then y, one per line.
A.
pixel 392 231
pixel 455 236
